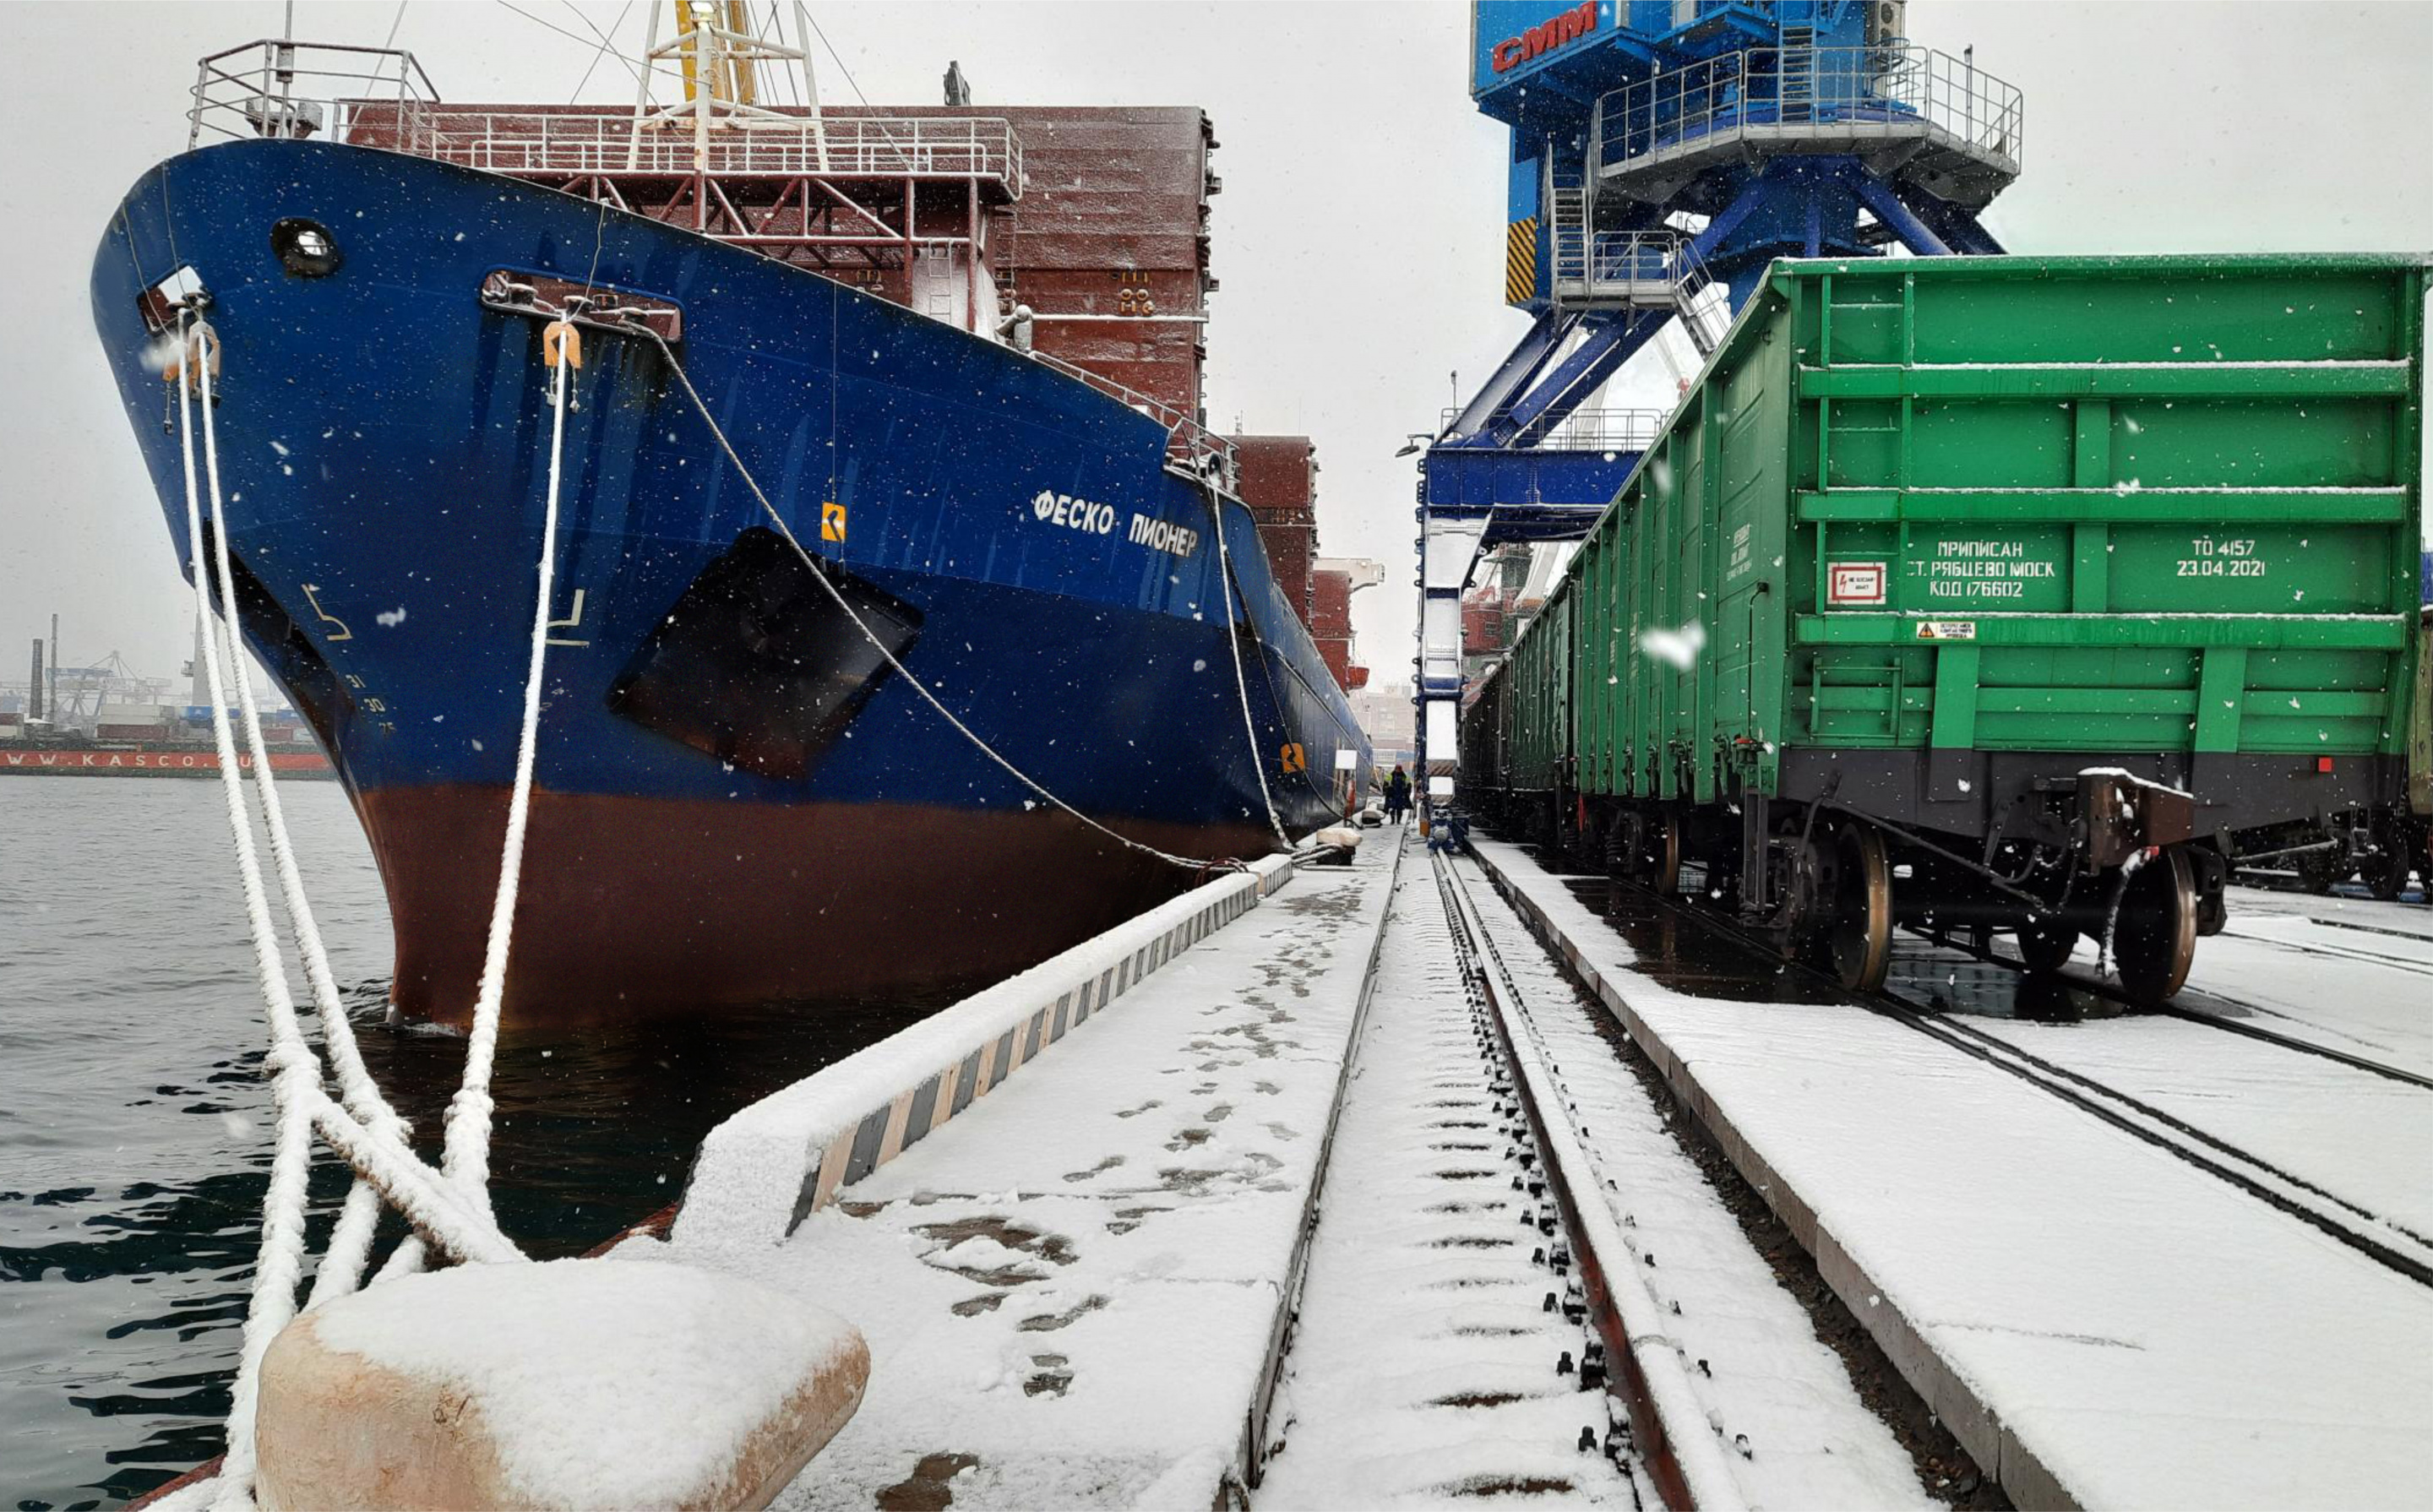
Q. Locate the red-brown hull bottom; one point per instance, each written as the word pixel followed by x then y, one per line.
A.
pixel 639 905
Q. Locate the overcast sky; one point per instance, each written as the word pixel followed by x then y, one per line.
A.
pixel 1359 237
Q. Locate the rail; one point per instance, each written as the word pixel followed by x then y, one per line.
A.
pixel 1616 429
pixel 1645 1370
pixel 277 87
pixel 845 147
pixel 1814 94
pixel 381 97
pixel 1186 439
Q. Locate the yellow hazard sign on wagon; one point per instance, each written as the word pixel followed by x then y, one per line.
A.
pixel 1947 630
pixel 833 522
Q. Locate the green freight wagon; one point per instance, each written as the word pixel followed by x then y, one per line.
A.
pixel 1998 594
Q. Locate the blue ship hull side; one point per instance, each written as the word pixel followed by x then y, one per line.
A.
pixel 384 446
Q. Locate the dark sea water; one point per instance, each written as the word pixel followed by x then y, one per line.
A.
pixel 135 1122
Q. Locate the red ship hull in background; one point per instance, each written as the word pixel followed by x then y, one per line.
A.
pixel 151 761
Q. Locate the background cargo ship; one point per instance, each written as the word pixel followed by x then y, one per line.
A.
pixel 738 797
pixel 110 720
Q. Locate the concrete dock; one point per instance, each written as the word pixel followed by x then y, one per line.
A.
pixel 1259 1230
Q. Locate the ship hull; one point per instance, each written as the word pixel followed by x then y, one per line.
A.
pixel 687 903
pixel 737 799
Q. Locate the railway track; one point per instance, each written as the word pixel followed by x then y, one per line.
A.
pixel 2395 1248
pixel 2417 935
pixel 1645 1371
pixel 2096 987
pixel 2372 958
pixel 1536 1365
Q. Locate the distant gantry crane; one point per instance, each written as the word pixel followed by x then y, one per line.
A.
pixel 1664 153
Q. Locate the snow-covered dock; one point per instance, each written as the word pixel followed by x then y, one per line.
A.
pixel 1329 1187
pixel 1276 1230
pixel 1076 1292
pixel 2100 1319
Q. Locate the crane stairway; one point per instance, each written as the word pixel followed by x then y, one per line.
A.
pixel 1636 271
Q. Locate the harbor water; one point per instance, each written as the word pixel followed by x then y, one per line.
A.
pixel 135 1121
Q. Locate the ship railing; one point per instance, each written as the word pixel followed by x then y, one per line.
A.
pixel 527 141
pixel 277 87
pixel 1599 430
pixel 1187 441
pixel 1894 90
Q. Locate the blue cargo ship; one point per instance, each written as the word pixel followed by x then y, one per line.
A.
pixel 737 798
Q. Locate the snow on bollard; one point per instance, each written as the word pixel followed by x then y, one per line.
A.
pixel 1334 845
pixel 573 1384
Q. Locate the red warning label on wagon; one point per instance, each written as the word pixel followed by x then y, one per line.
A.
pixel 1854 583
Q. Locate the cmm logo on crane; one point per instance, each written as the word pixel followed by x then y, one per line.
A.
pixel 1535 41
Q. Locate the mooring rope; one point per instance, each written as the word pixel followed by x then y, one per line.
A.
pixel 1225 586
pixel 466 1158
pixel 294 1083
pixel 366 1131
pixel 819 575
pixel 1267 676
pixel 341 1269
pixel 465 1155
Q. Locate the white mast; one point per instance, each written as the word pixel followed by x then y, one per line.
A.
pixel 719 53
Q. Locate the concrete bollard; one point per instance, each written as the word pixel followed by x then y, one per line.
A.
pixel 573 1384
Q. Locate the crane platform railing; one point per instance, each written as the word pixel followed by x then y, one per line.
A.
pixel 1600 430
pixel 1637 270
pixel 1633 267
pixel 1817 97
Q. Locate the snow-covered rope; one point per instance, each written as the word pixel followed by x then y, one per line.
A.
pixel 1267 676
pixel 819 575
pixel 369 1143
pixel 295 1083
pixel 341 1269
pixel 466 1158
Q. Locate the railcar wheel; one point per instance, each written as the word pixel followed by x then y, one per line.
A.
pixel 1860 941
pixel 2385 872
pixel 1664 852
pixel 2046 947
pixel 2154 938
pixel 1847 923
pixel 2316 872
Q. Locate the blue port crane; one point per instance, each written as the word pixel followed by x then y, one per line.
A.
pixel 1664 153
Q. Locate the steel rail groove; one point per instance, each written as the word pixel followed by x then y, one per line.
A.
pixel 2095 988
pixel 2394 1248
pixel 1677 1447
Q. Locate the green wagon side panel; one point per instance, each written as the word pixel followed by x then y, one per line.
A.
pixel 2127 504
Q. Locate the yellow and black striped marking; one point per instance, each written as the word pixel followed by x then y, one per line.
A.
pixel 1521 261
pixel 888 1130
